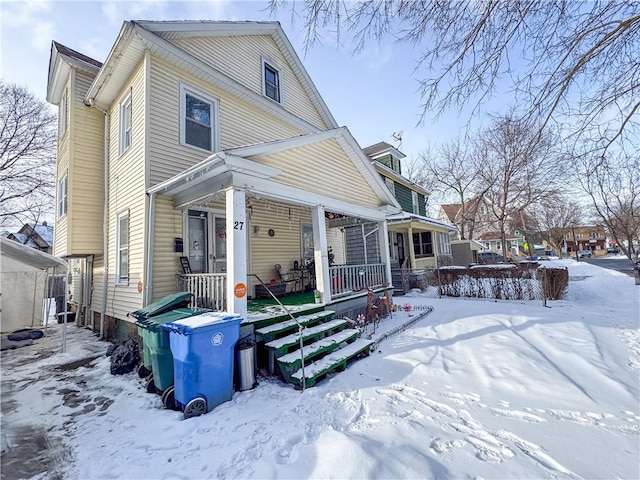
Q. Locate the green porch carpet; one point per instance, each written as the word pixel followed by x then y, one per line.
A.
pixel 258 305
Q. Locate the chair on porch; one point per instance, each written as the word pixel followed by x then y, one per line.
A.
pixel 289 278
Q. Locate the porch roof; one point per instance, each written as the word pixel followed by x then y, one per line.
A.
pixel 406 218
pixel 238 167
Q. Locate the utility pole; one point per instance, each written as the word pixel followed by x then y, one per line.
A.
pixel 575 244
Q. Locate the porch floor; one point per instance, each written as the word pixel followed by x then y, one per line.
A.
pixel 265 311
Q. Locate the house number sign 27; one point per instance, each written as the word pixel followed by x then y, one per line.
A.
pixel 238 225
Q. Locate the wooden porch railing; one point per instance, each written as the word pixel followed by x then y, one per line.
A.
pixel 209 289
pixel 346 279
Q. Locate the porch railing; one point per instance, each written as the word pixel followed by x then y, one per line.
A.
pixel 346 279
pixel 209 289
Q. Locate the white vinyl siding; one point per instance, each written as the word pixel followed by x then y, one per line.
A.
pixel 63 187
pixel 347 182
pixel 86 177
pixel 271 81
pixel 240 123
pixel 122 247
pixel 127 189
pixel 198 119
pixel 240 58
pixel 125 123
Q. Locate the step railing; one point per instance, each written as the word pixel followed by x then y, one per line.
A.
pixel 346 279
pixel 209 289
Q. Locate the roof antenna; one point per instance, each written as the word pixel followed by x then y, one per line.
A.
pixel 398 137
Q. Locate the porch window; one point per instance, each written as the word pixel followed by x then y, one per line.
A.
pixel 422 244
pixel 125 123
pixel 63 185
pixel 306 235
pixel 271 82
pixel 122 247
pixel 444 243
pixel 198 119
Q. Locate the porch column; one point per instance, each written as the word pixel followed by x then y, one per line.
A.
pixel 383 235
pixel 435 246
pixel 323 281
pixel 412 251
pixel 236 251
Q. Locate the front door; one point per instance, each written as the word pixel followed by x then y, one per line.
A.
pixel 400 248
pixel 207 242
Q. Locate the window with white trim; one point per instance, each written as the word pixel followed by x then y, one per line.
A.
pixel 271 82
pixel 198 119
pixel 125 123
pixel 63 114
pixel 122 247
pixel 414 202
pixel 498 245
pixel 444 243
pixel 579 236
pixel 63 186
pixel 390 185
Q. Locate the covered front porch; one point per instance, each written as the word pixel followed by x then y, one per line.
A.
pixel 258 217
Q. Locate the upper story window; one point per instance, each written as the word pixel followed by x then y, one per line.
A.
pixel 122 247
pixel 63 113
pixel 272 82
pixel 567 236
pixel 414 202
pixel 125 123
pixel 579 236
pixel 198 119
pixel 390 185
pixel 63 185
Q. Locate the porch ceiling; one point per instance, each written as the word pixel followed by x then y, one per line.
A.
pixel 418 222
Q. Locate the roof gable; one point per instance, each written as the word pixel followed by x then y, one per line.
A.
pixel 61 60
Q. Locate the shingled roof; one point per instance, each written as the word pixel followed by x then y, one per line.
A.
pixel 69 52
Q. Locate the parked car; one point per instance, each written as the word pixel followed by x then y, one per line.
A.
pixel 491 257
pixel 614 250
pixel 584 253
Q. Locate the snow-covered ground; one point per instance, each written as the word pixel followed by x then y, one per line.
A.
pixel 476 389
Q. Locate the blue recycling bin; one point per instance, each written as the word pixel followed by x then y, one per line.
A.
pixel 203 357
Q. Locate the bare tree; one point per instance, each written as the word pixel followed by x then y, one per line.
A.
pixel 556 214
pixel 613 185
pixel 455 169
pixel 572 62
pixel 519 170
pixel 27 156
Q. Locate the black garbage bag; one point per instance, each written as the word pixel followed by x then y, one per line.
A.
pixel 125 358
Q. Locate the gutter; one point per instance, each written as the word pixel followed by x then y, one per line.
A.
pixel 149 270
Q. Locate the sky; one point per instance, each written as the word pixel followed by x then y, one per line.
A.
pixel 374 92
pixel 474 390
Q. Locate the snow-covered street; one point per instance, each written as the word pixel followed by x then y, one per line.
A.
pixel 476 389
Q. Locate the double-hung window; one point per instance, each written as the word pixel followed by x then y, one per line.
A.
pixel 390 185
pixel 198 119
pixel 423 244
pixel 63 114
pixel 122 247
pixel 125 123
pixel 272 82
pixel 63 185
pixel 414 202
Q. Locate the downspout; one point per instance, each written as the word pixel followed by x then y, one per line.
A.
pixel 148 274
pixel 105 220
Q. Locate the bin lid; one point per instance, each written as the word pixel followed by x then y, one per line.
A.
pixel 163 305
pixel 187 325
pixel 155 323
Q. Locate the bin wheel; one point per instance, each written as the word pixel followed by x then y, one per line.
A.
pixel 169 398
pixel 151 385
pixel 143 371
pixel 195 408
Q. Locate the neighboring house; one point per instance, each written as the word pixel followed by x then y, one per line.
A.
pixel 492 241
pixel 39 237
pixel 590 237
pixel 471 221
pixel 417 242
pixel 199 156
